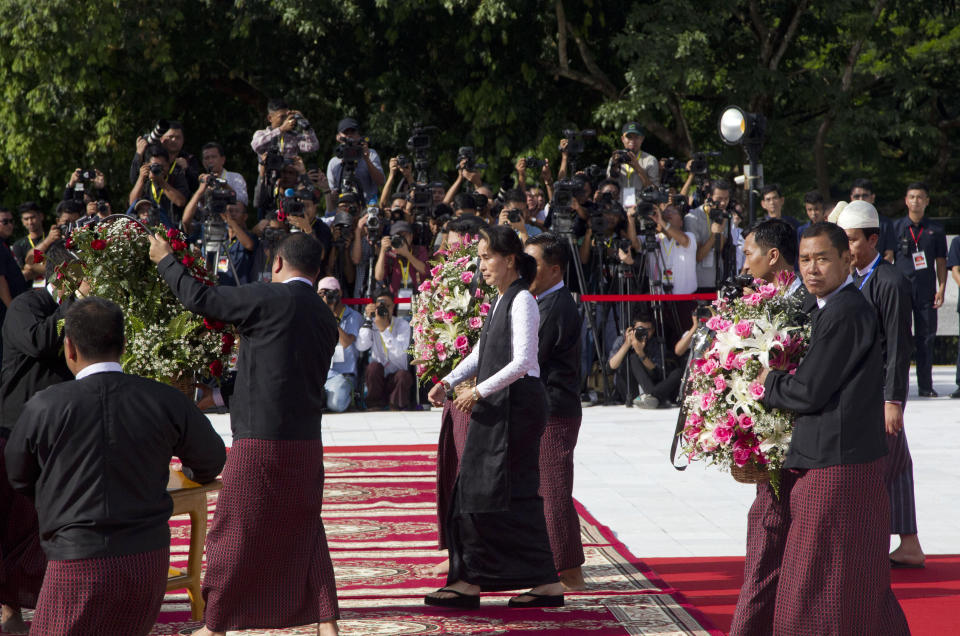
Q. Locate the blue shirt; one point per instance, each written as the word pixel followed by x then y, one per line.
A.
pixel 350 322
pixel 362 175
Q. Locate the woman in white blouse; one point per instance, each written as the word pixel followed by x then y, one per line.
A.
pixel 496 532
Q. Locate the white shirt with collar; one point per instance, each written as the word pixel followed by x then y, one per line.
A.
pixel 556 287
pixel 299 278
pixel 99 367
pixel 821 302
pixel 388 347
pixel 866 270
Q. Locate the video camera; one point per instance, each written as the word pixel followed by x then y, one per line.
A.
pixel 351 150
pixel 700 165
pixel 218 195
pixel 575 140
pixel 717 214
pixel 732 288
pixel 66 229
pixel 655 195
pixel 291 203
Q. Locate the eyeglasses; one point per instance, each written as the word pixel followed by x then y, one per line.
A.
pixel 6 221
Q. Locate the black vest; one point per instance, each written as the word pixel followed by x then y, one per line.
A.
pixel 501 454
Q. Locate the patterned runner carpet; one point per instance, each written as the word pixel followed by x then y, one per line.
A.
pixel 380 516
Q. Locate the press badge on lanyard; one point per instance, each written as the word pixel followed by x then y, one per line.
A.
pixel 919 258
pixel 223 264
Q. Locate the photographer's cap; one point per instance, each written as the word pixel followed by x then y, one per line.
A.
pixel 400 226
pixel 329 282
pixel 347 123
pixel 632 127
pixel 858 215
pixel 349 197
pixel 139 202
pixel 837 209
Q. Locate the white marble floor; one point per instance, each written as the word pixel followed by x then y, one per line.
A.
pixel 624 478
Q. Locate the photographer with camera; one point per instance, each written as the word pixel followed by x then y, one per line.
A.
pixel 30 249
pixel 85 185
pixel 388 376
pixel 401 167
pixel 678 250
pixel 632 167
pixel 709 223
pixel 640 348
pixel 469 174
pixel 219 208
pixel 12 282
pixel 161 182
pixel 401 265
pixel 516 214
pixel 546 177
pixel 342 376
pixel 289 132
pixel 214 160
pixel 354 152
pixel 168 134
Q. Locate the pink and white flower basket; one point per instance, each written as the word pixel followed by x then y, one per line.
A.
pixel 727 423
pixel 448 311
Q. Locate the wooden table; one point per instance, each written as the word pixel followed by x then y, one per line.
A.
pixel 190 497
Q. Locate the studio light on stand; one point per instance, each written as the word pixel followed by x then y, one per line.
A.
pixel 740 128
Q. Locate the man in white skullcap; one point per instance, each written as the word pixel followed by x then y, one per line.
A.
pixel 888 291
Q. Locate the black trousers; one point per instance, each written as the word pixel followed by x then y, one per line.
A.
pixel 924 333
pixel 653 382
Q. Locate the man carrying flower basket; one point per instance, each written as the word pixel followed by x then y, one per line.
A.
pixel 835 574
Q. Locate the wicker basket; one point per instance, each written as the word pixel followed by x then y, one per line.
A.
pixel 185 386
pixel 750 474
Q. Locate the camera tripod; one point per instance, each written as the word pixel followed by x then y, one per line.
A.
pixel 214 238
pixel 589 310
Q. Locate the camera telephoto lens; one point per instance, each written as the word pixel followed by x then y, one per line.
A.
pixel 382 310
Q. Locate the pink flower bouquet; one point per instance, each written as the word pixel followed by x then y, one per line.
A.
pixel 448 312
pixel 727 423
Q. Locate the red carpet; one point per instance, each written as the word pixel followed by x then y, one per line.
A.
pixel 380 516
pixel 930 597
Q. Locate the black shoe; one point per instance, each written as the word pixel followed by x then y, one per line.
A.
pixel 460 601
pixel 538 600
pixel 955 394
pixel 929 393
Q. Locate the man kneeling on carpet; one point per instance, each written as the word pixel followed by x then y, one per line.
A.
pixel 94 453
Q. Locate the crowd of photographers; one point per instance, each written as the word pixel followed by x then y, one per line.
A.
pixel 636 225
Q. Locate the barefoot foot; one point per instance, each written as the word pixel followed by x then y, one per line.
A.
pixel 440 569
pixel 572 580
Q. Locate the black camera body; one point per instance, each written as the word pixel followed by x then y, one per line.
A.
pixel 575 140
pixel 655 195
pixel 396 241
pixel 273 162
pixel 382 310
pixel 292 201
pixel 533 163
pixel 732 288
pixel 218 195
pixel 421 196
pixel 300 124
pixel 716 213
pixel 514 216
pixel 103 207
pixel 620 156
pixel 272 235
pixel 156 168
pixel 374 221
pixel 640 332
pixel 351 150
pixel 331 296
pixel 88 174
pixel 466 153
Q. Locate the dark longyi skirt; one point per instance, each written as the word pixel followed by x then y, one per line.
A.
pixel 453 435
pixel 22 561
pixel 268 564
pixel 109 595
pixel 556 487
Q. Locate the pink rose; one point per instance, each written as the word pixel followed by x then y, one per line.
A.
pixel 768 291
pixel 729 421
pixel 463 260
pixel 435 270
pixel 462 343
pixel 756 390
pixel 745 422
pixel 743 328
pixel 484 308
pixel 425 286
pixel 475 322
pixel 741 456
pixel 753 299
pixel 441 351
pixel 718 324
pixel 478 293
pixel 707 400
pixel 695 420
pixel 722 434
pixel 421 368
pixel 709 367
pixel 691 433
pixel 719 383
pixel 466 277
pixel 438 314
pixel 449 317
pixel 732 361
